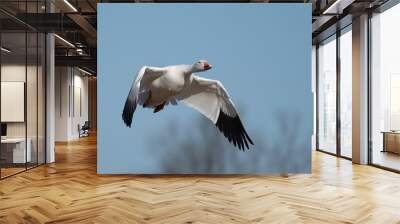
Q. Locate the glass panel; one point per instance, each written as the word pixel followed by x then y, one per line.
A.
pixel 386 89
pixel 23 90
pixel 13 76
pixel 314 90
pixel 327 95
pixel 41 99
pixel 31 88
pixel 31 100
pixel 346 93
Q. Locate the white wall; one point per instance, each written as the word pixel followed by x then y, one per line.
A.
pixel 16 72
pixel 33 127
pixel 79 117
pixel 62 81
pixel 70 83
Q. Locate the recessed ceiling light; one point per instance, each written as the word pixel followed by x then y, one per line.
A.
pixel 337 7
pixel 5 50
pixel 65 41
pixel 84 71
pixel 70 5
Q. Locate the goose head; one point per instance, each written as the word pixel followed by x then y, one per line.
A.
pixel 201 66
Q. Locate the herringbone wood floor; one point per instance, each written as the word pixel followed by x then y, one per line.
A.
pixel 70 191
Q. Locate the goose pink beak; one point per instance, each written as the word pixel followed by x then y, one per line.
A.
pixel 207 66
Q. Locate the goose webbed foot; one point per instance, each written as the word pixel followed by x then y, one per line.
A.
pixel 159 107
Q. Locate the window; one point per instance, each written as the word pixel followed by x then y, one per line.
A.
pixel 346 92
pixel 329 112
pixel 385 88
pixel 327 95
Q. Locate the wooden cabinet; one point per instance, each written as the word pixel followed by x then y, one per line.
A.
pixel 391 142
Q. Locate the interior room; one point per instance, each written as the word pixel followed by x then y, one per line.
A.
pixel 25 65
pixel 53 117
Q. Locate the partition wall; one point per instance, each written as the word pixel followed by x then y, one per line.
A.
pixel 22 90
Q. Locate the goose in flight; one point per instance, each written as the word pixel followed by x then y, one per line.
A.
pixel 155 87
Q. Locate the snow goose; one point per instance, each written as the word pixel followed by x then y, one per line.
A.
pixel 155 87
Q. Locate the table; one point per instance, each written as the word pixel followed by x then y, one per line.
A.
pixel 13 150
pixel 391 141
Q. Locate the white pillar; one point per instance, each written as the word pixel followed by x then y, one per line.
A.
pixel 50 82
pixel 360 90
pixel 50 91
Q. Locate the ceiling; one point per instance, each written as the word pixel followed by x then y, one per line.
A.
pixel 75 21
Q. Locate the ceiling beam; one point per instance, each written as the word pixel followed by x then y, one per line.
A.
pixel 338 6
pixel 81 61
pixel 85 25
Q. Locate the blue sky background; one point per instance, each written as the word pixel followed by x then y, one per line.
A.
pixel 260 52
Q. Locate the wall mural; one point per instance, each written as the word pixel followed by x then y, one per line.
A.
pixel 164 109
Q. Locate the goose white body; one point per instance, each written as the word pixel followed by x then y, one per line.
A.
pixel 169 85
